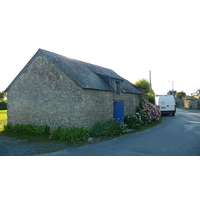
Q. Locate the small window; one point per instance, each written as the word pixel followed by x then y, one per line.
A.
pixel 117 91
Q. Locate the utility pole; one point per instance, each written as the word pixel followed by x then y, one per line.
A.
pixel 150 81
pixel 172 87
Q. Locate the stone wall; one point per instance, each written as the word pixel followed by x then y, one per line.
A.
pixel 179 102
pixel 191 103
pixel 43 94
pixel 187 103
pixel 131 102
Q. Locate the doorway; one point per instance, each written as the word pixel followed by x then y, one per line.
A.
pixel 118 113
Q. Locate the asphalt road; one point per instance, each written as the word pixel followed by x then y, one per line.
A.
pixel 177 135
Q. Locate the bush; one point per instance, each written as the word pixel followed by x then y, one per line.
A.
pixel 132 120
pixel 114 128
pixel 137 120
pixel 151 99
pixel 109 128
pixel 71 134
pixel 148 114
pixel 153 111
pixel 3 105
pixel 99 128
pixel 28 129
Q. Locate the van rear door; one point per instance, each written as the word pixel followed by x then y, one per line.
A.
pixel 163 103
pixel 167 104
pixel 170 103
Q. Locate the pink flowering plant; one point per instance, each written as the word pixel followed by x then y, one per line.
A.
pixel 147 114
pixel 151 110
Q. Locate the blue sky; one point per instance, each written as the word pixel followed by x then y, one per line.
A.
pixel 130 37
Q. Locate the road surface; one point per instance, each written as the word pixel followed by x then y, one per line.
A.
pixel 177 135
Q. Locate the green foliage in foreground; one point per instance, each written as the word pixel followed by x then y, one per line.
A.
pixel 109 128
pixel 28 129
pixel 71 134
pixel 104 130
pixel 3 105
pixel 147 114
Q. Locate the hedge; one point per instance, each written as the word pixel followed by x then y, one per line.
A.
pixel 3 105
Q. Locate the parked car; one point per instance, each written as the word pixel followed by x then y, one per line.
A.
pixel 166 104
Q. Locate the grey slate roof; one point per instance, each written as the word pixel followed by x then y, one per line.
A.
pixel 84 74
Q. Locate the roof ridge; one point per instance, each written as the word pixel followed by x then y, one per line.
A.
pixel 74 59
pixel 85 75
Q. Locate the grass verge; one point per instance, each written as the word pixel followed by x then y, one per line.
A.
pixel 3 118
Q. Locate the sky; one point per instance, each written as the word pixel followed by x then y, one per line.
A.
pixel 129 37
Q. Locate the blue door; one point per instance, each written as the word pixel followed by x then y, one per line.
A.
pixel 118 111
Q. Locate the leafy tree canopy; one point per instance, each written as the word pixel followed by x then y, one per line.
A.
pixel 171 92
pixel 145 84
pixel 2 95
pixel 181 94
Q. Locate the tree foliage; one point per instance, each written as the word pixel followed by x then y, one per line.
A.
pixel 171 92
pixel 3 103
pixel 181 94
pixel 2 95
pixel 145 84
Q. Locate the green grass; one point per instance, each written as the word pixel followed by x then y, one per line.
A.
pixel 3 118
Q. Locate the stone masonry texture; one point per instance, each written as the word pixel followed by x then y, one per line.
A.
pixel 43 94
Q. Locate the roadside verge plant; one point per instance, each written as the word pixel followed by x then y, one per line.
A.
pixel 152 110
pixel 71 134
pixel 108 128
pixel 28 129
pixel 147 114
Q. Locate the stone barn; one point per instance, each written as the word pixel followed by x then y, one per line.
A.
pixel 59 91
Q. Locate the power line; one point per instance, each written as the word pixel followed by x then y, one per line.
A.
pixel 194 67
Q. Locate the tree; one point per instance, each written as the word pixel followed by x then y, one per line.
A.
pixel 181 94
pixel 3 103
pixel 145 84
pixel 171 92
pixel 2 95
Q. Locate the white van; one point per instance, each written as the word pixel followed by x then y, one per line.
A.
pixel 166 104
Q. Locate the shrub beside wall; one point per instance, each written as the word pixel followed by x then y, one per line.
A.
pixel 3 105
pixel 71 134
pixel 147 114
